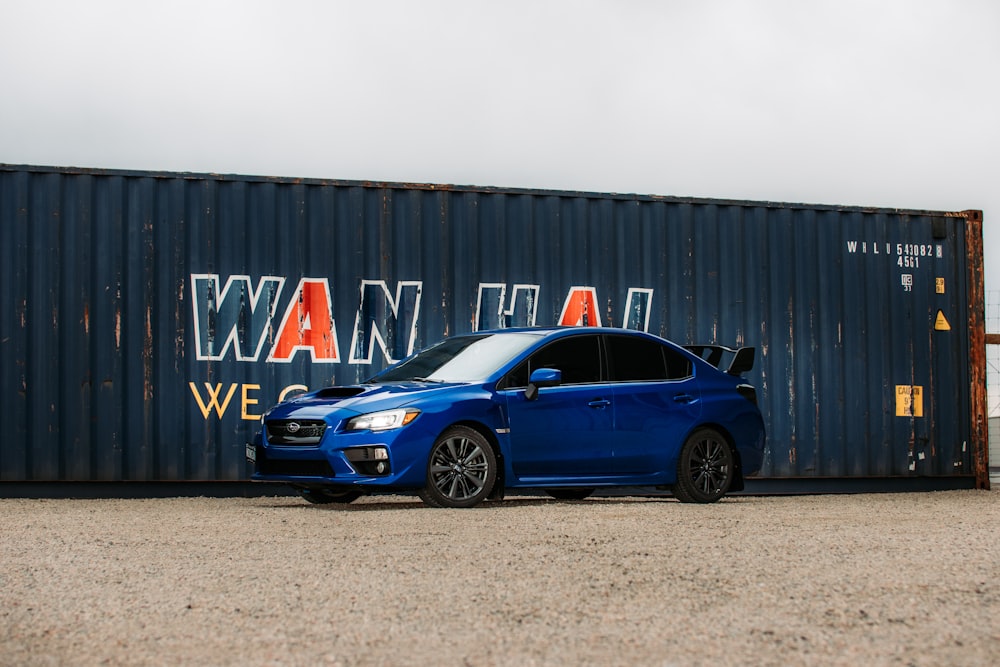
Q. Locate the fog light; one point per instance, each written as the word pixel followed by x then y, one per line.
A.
pixel 369 460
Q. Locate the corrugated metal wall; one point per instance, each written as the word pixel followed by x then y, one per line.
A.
pixel 147 320
pixel 994 439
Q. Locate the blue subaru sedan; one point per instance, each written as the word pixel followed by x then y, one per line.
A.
pixel 566 410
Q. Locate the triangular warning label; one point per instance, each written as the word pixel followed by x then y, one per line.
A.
pixel 941 322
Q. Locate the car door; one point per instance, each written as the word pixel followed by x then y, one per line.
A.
pixel 656 401
pixel 566 432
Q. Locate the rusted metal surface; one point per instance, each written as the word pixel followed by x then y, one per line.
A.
pixel 147 320
pixel 979 416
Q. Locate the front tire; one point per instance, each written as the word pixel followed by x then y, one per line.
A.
pixel 323 496
pixel 705 468
pixel 461 469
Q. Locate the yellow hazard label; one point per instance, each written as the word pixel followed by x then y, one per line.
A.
pixel 909 400
pixel 939 285
pixel 941 322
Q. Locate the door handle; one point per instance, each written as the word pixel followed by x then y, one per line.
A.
pixel 684 398
pixel 599 403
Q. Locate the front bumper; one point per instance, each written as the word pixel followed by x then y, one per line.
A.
pixel 396 458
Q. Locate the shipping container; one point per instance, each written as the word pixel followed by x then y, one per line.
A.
pixel 150 319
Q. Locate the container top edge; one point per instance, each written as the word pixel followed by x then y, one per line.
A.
pixel 441 187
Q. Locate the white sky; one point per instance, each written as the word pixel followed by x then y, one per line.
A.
pixel 871 103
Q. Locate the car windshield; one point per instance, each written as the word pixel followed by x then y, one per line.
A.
pixel 460 359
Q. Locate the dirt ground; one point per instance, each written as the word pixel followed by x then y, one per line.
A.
pixel 888 579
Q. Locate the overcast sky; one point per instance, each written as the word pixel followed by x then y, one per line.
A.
pixel 847 102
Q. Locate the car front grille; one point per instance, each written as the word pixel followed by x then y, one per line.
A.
pixel 291 467
pixel 295 431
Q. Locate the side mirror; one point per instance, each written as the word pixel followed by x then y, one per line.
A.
pixel 542 377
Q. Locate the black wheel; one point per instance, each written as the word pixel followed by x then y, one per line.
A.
pixel 569 494
pixel 705 468
pixel 322 496
pixel 461 470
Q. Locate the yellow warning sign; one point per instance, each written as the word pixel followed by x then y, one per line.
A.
pixel 909 400
pixel 939 285
pixel 941 322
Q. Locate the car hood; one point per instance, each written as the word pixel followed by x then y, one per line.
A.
pixel 357 399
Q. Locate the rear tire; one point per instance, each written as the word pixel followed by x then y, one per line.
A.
pixel 461 469
pixel 569 494
pixel 705 468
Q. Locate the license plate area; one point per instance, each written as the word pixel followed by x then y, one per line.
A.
pixel 251 453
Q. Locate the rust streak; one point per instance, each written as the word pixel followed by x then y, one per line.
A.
pixel 147 356
pixel 977 348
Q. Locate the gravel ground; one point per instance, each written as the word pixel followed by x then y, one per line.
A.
pixel 903 579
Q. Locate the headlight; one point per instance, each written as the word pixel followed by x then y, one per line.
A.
pixel 382 421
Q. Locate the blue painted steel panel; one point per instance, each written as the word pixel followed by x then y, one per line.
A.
pixel 148 319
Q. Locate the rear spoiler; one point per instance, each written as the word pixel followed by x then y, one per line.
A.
pixel 740 360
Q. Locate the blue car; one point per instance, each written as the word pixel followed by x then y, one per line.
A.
pixel 568 410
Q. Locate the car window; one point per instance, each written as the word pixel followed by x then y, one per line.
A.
pixel 578 357
pixel 460 359
pixel 678 365
pixel 635 359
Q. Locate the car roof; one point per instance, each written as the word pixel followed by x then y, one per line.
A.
pixel 546 331
pixel 559 331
